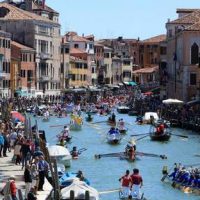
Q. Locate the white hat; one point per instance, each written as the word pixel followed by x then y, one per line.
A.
pixel 12 177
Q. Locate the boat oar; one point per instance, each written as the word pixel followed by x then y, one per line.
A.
pixel 54 126
pixel 151 155
pixel 80 151
pixel 183 136
pixel 142 137
pixel 139 134
pixel 98 156
pixel 98 122
pixel 109 191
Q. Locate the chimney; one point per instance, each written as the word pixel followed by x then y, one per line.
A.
pixel 168 20
pixel 83 35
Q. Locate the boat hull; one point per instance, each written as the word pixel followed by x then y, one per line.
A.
pixel 163 137
pixel 113 139
pixel 75 127
pixel 111 123
pixel 123 131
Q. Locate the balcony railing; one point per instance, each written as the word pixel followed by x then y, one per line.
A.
pixel 44 78
pixel 45 56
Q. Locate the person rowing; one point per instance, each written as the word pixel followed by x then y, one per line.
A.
pixel 65 134
pixel 130 150
pixel 74 153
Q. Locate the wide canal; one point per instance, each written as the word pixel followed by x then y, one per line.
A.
pixel 104 173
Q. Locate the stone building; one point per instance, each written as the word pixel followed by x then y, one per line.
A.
pixel 23 69
pixel 41 34
pixel 5 60
pixel 183 42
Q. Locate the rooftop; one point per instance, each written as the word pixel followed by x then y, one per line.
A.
pixel 156 39
pixel 21 46
pixel 10 12
pixel 76 51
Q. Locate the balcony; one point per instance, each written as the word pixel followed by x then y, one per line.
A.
pixel 3 75
pixel 44 78
pixel 45 56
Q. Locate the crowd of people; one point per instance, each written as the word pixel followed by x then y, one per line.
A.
pixel 25 154
pixel 186 176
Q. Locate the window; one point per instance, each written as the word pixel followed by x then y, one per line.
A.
pixel 91 46
pixel 73 77
pixel 93 70
pixel 194 54
pixel 193 79
pixel 23 73
pixel 76 46
pixel 84 77
pixel 169 33
pixel 106 55
pixel 66 50
pixel 85 65
pixel 163 50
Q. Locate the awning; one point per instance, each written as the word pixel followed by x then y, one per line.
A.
pixel 131 83
pixel 172 101
pixel 146 70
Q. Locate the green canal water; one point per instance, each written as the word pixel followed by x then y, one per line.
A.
pixel 105 172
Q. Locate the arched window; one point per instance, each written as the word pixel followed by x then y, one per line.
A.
pixel 194 54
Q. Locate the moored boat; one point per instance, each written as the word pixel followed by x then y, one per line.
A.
pixel 123 109
pixel 79 190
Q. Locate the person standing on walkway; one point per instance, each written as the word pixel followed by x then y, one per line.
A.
pixel 27 179
pixel 6 144
pixel 25 150
pixel 43 168
pixel 1 143
pixel 137 183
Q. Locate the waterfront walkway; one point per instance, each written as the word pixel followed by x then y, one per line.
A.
pixel 7 168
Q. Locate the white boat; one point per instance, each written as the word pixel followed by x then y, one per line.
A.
pixel 61 154
pixel 79 189
pixel 149 115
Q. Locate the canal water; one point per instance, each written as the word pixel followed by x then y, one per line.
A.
pixel 104 173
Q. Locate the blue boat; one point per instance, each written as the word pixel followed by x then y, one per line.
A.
pixel 67 179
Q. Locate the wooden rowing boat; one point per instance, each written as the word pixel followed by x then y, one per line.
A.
pixel 184 188
pixel 160 137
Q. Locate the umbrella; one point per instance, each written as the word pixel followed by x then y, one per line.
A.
pixel 172 101
pixel 17 115
pixel 56 150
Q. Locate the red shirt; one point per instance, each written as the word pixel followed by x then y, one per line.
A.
pixel 13 188
pixel 126 180
pixel 136 179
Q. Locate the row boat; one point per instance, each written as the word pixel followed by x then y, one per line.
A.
pixel 184 188
pixel 160 137
pixel 114 138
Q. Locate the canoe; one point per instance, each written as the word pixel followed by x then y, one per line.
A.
pixel 160 137
pixel 113 138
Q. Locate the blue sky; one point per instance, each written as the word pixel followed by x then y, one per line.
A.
pixel 113 18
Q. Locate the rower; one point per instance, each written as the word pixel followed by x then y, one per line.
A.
pixel 74 152
pixel 111 131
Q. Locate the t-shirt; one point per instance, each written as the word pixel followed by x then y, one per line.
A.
pixel 126 180
pixel 136 179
